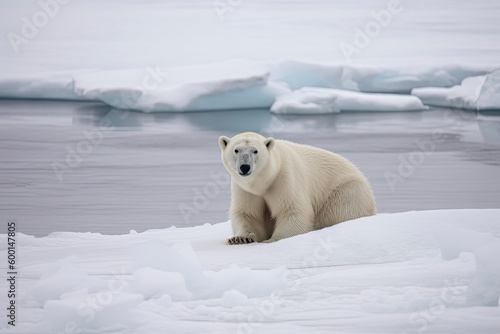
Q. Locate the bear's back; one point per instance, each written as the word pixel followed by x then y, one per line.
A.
pixel 323 169
pixel 318 158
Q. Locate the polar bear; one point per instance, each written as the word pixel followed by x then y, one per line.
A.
pixel 280 189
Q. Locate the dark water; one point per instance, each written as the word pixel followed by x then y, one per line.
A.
pixel 80 166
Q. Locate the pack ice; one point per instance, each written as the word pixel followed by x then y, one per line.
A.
pixel 285 87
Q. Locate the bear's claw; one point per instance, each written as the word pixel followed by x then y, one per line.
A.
pixel 239 240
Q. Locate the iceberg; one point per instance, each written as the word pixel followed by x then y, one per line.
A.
pixel 475 92
pixel 244 84
pixel 44 85
pixel 370 79
pixel 218 86
pixel 311 100
pixel 489 95
pixel 176 56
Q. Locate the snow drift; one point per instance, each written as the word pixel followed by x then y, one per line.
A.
pixel 416 271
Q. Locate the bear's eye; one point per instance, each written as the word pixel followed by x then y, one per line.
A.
pixel 255 152
pixel 236 151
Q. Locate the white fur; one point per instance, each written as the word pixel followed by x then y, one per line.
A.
pixel 292 188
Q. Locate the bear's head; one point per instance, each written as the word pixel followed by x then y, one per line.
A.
pixel 245 154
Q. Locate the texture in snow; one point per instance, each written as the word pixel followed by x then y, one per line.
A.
pixel 431 270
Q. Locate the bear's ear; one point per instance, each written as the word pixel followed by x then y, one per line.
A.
pixel 269 142
pixel 223 141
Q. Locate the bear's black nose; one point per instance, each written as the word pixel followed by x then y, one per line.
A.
pixel 244 169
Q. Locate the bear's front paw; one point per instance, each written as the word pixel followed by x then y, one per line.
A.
pixel 240 240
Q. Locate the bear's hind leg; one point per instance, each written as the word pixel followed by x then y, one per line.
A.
pixel 351 200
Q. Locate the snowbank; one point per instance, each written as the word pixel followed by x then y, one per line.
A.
pixel 416 271
pixel 476 92
pixel 311 100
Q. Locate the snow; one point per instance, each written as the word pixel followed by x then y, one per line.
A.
pixel 432 271
pixel 407 272
pixel 153 283
pixel 311 100
pixel 74 311
pixel 206 56
pixel 58 278
pixel 484 289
